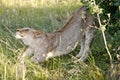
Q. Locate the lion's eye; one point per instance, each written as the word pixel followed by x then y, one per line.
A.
pixel 17 30
pixel 26 29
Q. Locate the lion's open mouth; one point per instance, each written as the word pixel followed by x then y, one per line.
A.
pixel 18 36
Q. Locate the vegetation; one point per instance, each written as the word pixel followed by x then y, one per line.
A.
pixel 50 15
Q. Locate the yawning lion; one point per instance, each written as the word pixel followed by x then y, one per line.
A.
pixel 42 45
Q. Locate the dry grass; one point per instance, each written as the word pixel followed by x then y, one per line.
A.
pixel 48 15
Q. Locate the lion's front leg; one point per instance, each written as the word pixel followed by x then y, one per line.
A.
pixel 27 53
pixel 39 56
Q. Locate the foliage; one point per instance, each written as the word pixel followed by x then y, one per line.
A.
pixel 50 15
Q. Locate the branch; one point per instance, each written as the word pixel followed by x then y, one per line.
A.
pixel 105 42
pixel 104 37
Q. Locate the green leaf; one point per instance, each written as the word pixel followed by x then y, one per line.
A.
pixel 108 15
pixel 103 27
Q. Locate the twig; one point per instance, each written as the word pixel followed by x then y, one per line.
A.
pixel 104 37
pixel 105 42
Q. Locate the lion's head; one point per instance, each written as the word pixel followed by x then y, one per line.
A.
pixel 27 35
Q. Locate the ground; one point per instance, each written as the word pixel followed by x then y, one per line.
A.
pixel 48 16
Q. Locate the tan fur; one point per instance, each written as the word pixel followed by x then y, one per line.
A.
pixel 79 28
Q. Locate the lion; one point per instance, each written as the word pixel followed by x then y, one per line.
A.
pixel 42 45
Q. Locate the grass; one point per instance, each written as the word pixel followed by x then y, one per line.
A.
pixel 49 16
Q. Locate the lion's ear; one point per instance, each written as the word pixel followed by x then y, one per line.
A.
pixel 38 33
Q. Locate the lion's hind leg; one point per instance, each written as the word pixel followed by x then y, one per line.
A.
pixel 89 34
pixel 82 47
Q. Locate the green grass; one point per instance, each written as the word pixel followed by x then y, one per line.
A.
pixel 49 16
